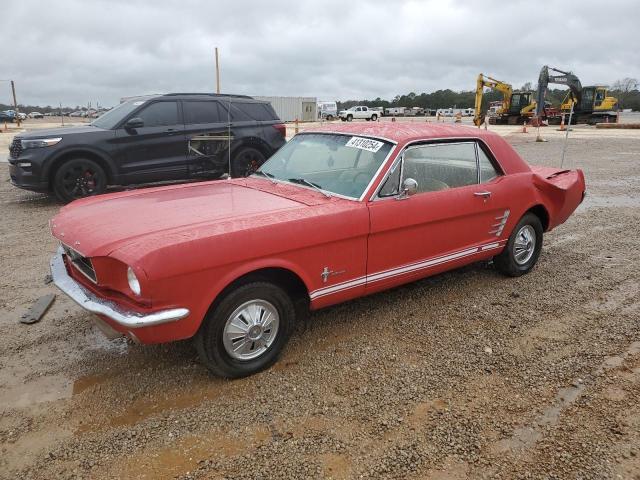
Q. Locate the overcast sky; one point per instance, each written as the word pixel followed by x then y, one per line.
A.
pixel 76 51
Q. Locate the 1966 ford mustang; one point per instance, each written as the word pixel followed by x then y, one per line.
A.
pixel 337 213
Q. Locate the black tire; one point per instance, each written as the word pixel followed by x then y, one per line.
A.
pixel 78 178
pixel 374 117
pixel 342 119
pixel 246 161
pixel 507 262
pixel 349 118
pixel 329 118
pixel 210 342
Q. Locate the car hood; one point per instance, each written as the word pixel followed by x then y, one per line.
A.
pixel 149 218
pixel 61 131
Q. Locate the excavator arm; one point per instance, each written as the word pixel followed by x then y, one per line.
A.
pixel 487 81
pixel 565 78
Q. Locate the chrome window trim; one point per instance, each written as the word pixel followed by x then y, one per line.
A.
pixel 428 141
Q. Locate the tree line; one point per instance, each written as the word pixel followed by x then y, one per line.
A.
pixel 626 90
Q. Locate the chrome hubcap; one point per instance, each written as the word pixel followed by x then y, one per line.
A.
pixel 524 245
pixel 251 329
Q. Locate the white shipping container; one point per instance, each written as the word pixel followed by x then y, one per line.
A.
pixel 289 109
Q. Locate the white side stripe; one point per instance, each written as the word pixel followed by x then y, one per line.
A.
pixel 394 272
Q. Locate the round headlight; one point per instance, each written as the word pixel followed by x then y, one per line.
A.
pixel 134 284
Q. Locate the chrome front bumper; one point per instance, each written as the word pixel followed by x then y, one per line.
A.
pixel 91 302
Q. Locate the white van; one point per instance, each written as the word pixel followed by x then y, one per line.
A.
pixel 327 110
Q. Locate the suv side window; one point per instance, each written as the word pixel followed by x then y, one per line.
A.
pixel 160 114
pixel 203 112
pixel 254 111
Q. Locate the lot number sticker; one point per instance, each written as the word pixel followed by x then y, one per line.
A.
pixel 364 144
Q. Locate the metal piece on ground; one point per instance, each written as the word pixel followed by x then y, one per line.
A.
pixel 38 309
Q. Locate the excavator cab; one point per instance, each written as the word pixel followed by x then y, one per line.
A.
pixel 519 100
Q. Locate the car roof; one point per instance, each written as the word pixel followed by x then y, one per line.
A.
pixel 405 132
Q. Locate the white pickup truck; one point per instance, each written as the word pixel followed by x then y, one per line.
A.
pixel 359 112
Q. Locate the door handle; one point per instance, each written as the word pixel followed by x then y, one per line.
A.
pixel 484 194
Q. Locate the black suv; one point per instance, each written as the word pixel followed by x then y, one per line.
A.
pixel 154 138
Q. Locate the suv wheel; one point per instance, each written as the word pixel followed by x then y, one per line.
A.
pixel 79 178
pixel 247 331
pixel 374 117
pixel 246 161
pixel 349 117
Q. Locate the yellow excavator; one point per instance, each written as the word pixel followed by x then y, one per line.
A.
pixel 590 104
pixel 516 106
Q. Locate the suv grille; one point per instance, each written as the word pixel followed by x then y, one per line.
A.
pixel 15 149
pixel 83 264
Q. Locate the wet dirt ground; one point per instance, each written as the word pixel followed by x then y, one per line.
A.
pixel 464 375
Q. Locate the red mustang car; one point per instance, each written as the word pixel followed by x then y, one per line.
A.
pixel 337 213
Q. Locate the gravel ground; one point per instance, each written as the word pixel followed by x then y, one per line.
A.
pixel 464 375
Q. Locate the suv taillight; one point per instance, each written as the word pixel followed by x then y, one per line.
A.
pixel 282 128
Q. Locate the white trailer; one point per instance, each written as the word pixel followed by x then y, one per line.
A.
pixel 289 109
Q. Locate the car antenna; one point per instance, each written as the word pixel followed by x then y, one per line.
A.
pixel 229 135
pixel 566 136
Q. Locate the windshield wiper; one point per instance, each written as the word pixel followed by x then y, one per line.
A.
pixel 265 174
pixel 304 181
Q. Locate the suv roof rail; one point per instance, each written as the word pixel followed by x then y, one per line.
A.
pixel 208 94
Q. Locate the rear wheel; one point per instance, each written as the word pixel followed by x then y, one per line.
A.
pixel 247 331
pixel 79 178
pixel 374 117
pixel 523 247
pixel 246 161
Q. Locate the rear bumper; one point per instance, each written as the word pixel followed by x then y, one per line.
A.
pixel 89 301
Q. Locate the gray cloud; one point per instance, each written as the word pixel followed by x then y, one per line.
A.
pixel 77 51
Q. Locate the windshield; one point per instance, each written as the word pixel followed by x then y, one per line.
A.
pixel 341 164
pixel 114 116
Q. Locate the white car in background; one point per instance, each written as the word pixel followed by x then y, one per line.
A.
pixel 36 115
pixel 359 112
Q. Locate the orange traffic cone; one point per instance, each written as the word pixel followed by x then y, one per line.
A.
pixel 524 127
pixel 5 126
pixel 393 119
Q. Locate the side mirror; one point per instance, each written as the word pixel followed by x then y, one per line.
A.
pixel 409 187
pixel 133 123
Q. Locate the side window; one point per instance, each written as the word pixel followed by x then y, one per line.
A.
pixel 203 112
pixel 391 185
pixel 441 166
pixel 160 114
pixel 255 111
pixel 487 170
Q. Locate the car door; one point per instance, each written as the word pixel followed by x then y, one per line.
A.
pixel 450 220
pixel 364 112
pixel 207 130
pixel 158 149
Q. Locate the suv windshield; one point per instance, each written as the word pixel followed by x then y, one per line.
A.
pixel 341 164
pixel 114 116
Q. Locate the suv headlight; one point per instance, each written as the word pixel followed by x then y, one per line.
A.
pixel 134 284
pixel 40 142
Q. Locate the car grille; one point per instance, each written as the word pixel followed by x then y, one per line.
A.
pixel 15 149
pixel 83 264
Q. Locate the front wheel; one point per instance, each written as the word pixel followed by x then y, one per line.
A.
pixel 247 331
pixel 349 118
pixel 523 248
pixel 78 178
pixel 246 161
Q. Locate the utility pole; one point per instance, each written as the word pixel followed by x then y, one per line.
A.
pixel 217 73
pixel 15 103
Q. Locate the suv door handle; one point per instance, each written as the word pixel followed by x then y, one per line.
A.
pixel 484 194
